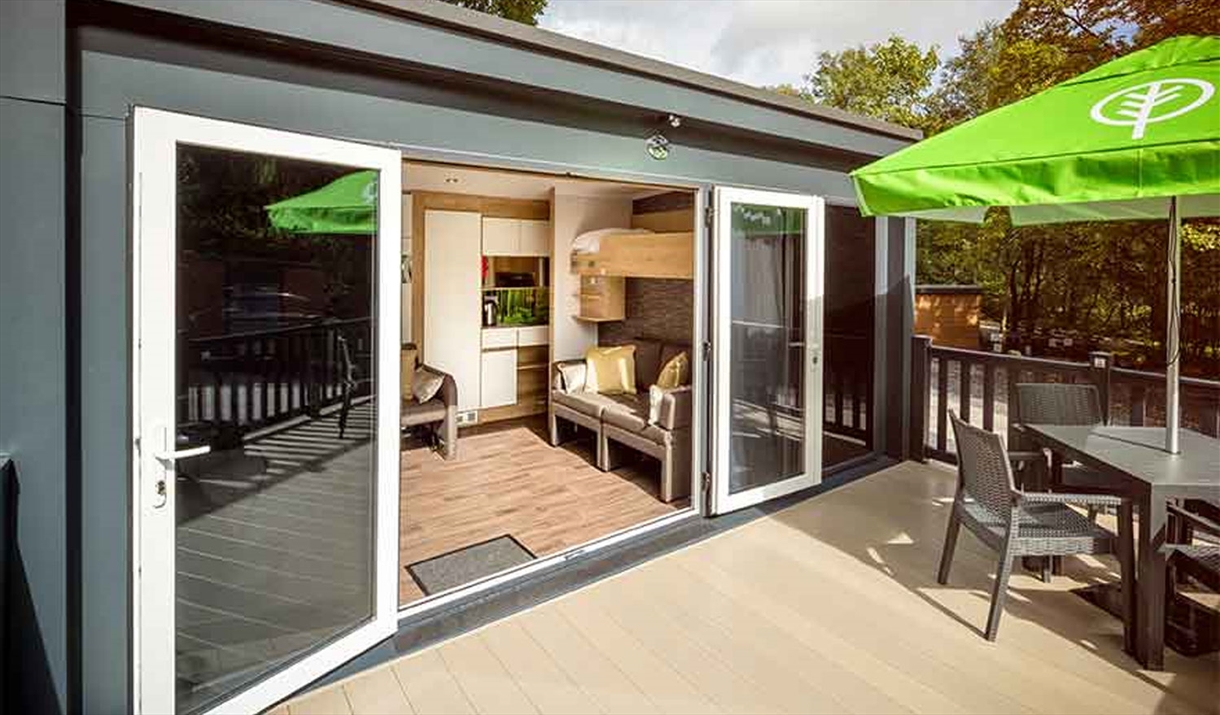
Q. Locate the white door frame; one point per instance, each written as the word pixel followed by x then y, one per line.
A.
pixel 156 135
pixel 724 197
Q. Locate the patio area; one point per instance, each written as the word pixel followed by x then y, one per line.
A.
pixel 829 606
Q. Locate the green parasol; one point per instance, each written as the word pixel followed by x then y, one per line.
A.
pixel 346 205
pixel 1136 138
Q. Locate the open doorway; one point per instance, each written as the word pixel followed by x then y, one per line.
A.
pixel 546 367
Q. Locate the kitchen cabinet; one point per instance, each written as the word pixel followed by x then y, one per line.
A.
pixel 535 238
pixel 451 309
pixel 499 378
pixel 516 237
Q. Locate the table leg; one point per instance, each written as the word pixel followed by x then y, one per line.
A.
pixel 1056 484
pixel 1150 622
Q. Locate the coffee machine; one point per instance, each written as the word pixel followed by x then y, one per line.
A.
pixel 491 307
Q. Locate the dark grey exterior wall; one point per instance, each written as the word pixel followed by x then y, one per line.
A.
pixel 34 361
pixel 898 319
pixel 65 382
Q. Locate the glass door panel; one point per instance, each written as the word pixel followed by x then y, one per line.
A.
pixel 262 503
pixel 768 322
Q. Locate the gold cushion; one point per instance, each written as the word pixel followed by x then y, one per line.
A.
pixel 676 372
pixel 611 370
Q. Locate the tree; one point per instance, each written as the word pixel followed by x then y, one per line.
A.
pixel 891 80
pixel 1099 279
pixel 523 11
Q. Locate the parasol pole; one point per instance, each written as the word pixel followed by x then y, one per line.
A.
pixel 1172 326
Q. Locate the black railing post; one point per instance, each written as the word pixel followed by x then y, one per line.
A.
pixel 1102 363
pixel 921 386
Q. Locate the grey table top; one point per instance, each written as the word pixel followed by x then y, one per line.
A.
pixel 1139 453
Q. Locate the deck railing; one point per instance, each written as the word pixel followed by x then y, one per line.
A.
pixel 258 378
pixel 980 387
pixel 848 386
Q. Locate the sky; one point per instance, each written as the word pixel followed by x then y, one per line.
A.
pixel 764 42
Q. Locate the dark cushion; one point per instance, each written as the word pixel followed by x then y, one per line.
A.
pixel 413 413
pixel 647 362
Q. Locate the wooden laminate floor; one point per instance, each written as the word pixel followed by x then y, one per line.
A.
pixel 829 606
pixel 508 479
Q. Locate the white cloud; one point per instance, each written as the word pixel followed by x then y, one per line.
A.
pixel 764 42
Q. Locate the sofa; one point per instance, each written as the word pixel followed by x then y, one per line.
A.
pixel 620 421
pixel 440 412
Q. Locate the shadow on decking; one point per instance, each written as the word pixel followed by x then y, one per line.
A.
pixel 900 533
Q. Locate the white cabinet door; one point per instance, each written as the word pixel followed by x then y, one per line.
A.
pixel 501 237
pixel 452 324
pixel 499 378
pixel 535 238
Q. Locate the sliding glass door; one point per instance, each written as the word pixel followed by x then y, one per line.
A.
pixel 767 334
pixel 266 434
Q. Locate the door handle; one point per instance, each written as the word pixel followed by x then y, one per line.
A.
pixel 183 453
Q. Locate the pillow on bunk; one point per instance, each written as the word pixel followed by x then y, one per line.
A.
pixel 610 371
pixel 676 372
pixel 426 384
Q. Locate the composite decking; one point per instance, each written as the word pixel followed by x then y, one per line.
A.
pixel 828 606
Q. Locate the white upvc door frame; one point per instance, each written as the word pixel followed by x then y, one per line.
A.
pixel 722 500
pixel 155 137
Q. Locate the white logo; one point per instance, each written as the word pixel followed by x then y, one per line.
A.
pixel 369 193
pixel 1151 102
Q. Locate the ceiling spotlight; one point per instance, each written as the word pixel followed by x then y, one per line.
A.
pixel 674 121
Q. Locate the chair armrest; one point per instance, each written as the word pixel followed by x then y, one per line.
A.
pixel 675 408
pixel 1026 457
pixel 1077 499
pixel 448 392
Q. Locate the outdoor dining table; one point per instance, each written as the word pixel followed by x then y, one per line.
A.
pixel 1136 459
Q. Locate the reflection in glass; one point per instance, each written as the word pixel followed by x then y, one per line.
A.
pixel 847 370
pixel 766 378
pixel 274 373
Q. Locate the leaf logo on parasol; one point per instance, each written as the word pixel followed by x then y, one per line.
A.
pixel 1151 102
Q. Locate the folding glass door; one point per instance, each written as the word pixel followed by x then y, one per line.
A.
pixel 266 322
pixel 766 427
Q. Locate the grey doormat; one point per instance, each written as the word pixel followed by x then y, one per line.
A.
pixel 469 563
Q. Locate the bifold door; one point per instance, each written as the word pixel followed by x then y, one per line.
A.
pixel 266 323
pixel 767 327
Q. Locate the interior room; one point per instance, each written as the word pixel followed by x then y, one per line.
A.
pixel 546 366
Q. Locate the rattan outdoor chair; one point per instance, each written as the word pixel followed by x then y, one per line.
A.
pixel 1015 523
pixel 1067 404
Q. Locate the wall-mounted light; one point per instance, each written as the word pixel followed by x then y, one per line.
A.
pixel 657 146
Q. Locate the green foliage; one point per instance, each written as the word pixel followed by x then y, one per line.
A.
pixel 891 80
pixel 1102 279
pixel 524 11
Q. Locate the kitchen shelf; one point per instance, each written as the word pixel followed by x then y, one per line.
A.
pixel 532 366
